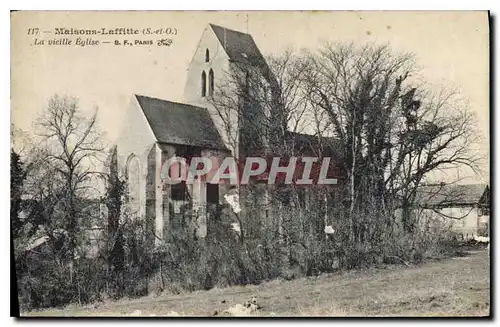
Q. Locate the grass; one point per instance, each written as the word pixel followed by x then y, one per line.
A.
pixel 457 286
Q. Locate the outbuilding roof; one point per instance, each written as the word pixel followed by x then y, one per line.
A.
pixel 449 195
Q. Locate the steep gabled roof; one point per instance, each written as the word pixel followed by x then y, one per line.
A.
pixel 310 144
pixel 180 123
pixel 450 195
pixel 240 47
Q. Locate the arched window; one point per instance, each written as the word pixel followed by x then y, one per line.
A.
pixel 207 56
pixel 203 84
pixel 211 82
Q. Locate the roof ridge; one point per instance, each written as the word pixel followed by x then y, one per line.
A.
pixel 453 184
pixel 229 29
pixel 173 102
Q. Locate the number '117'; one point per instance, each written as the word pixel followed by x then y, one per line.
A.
pixel 33 31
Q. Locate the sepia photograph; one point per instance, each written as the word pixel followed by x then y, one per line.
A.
pixel 258 164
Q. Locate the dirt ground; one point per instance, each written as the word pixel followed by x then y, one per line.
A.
pixel 457 286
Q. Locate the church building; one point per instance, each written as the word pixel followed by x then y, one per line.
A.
pixel 159 129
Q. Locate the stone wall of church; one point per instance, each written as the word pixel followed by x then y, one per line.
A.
pixel 164 196
pixel 151 182
pixel 218 63
pixel 136 141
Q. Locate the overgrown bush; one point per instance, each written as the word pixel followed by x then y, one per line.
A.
pixel 185 262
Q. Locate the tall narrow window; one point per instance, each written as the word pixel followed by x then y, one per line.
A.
pixel 212 193
pixel 179 191
pixel 203 84
pixel 133 180
pixel 211 82
pixel 207 56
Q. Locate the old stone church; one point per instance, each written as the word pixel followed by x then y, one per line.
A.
pixel 158 129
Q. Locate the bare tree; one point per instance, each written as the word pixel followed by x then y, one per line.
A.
pixel 263 107
pixel 72 149
pixel 394 133
pixel 258 104
pixel 391 132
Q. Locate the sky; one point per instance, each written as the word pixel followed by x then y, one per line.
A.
pixel 451 49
